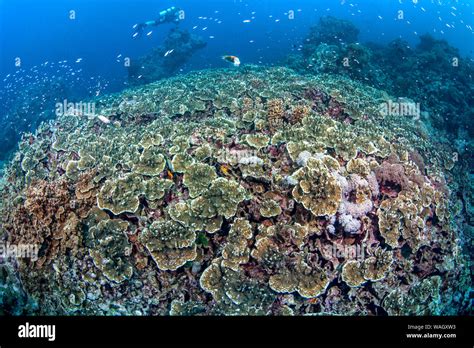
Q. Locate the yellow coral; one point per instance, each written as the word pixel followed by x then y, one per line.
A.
pixel 170 244
pixel 318 190
pixel 236 250
pixel 276 114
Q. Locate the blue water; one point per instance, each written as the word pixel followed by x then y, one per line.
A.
pixel 39 34
pixel 38 31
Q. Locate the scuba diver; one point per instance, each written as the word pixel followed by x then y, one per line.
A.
pixel 170 15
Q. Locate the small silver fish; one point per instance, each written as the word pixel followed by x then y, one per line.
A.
pixel 103 119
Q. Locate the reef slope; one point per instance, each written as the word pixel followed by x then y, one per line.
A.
pixel 240 192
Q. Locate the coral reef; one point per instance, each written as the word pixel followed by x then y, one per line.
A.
pixel 252 191
pixel 317 189
pixel 170 244
pixel 110 249
pixel 442 76
pixel 158 65
pixel 331 30
pixel 432 76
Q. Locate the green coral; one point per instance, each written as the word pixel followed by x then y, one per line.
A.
pixel 235 293
pixel 182 212
pixel 151 162
pixel 240 179
pixel 236 251
pixel 318 190
pixel 257 141
pixel 198 177
pixel 270 208
pixel 111 249
pixel 404 217
pixel 156 188
pixel 373 268
pixel 221 199
pixel 203 152
pixel 151 139
pixel 72 170
pixel 308 282
pixel 170 244
pixel 121 195
pixel 181 162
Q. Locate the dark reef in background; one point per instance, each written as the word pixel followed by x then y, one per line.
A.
pixel 26 111
pixel 427 73
pixel 331 31
pixel 180 44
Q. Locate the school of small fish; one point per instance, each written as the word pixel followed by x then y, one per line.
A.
pixel 280 28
